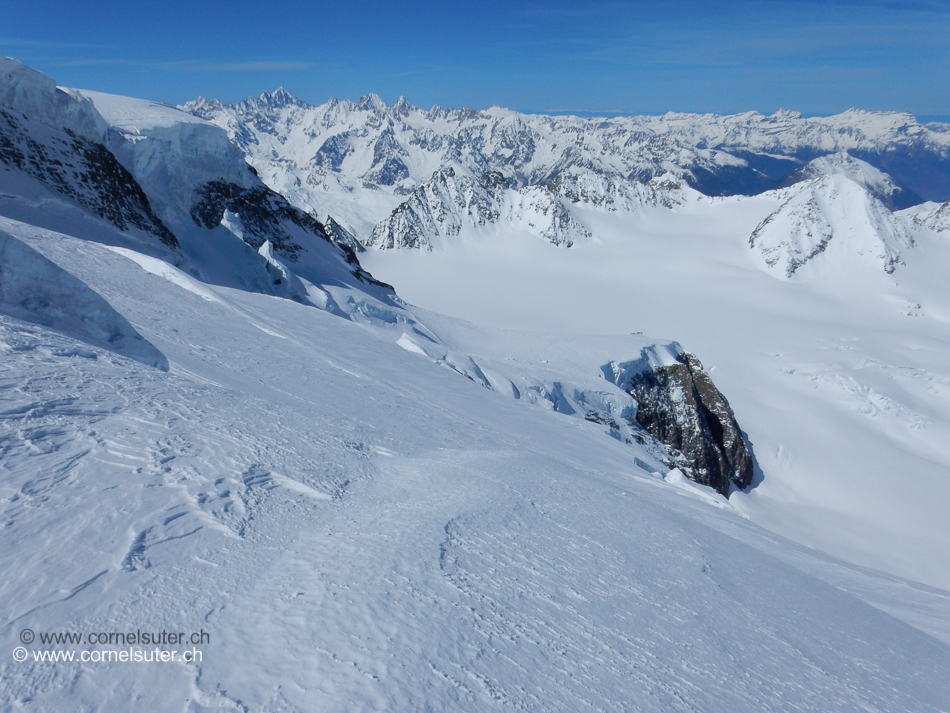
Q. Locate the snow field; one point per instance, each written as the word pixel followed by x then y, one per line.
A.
pixel 360 528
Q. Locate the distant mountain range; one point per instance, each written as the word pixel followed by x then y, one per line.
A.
pixel 359 161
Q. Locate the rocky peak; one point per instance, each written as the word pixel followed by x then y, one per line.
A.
pixel 402 108
pixel 203 108
pixel 279 98
pixel 341 235
pixel 371 103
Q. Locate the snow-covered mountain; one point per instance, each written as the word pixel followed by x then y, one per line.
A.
pixel 368 505
pixel 358 160
pixel 166 183
pixel 830 222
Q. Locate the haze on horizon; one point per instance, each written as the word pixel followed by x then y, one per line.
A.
pixel 813 56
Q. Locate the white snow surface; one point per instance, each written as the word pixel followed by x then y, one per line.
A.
pixel 360 528
pixel 34 289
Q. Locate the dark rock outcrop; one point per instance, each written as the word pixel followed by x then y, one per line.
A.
pixel 80 169
pixel 680 406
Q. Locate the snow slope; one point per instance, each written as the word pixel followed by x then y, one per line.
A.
pixel 839 376
pixel 359 528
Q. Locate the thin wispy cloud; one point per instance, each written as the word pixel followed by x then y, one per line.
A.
pixel 431 69
pixel 186 65
pixel 22 43
pixel 242 66
pixel 583 111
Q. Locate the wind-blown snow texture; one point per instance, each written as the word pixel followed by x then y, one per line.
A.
pixel 370 506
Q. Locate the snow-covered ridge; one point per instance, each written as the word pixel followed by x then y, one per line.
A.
pixel 54 140
pixel 878 183
pixel 445 205
pixel 937 219
pixel 449 203
pixel 145 176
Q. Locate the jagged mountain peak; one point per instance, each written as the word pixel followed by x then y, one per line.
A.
pixel 203 108
pixel 372 103
pixel 280 97
pixel 402 107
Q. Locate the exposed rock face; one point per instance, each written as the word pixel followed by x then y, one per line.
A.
pixel 259 215
pixel 341 235
pixel 614 192
pixel 449 202
pixel 680 406
pixel 81 169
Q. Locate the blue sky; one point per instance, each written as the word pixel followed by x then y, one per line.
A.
pixel 816 56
